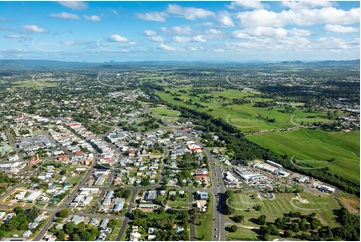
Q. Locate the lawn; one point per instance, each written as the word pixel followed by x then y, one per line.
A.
pixel 180 202
pixel 163 111
pixel 273 209
pixel 116 230
pixel 75 179
pixel 204 230
pixel 316 148
pixel 242 234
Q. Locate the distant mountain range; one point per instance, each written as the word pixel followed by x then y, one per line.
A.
pixel 30 64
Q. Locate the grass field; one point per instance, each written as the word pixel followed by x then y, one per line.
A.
pixel 242 234
pixel 315 147
pixel 37 83
pixel 6 148
pixel 322 206
pixel 180 202
pixel 75 179
pixel 245 116
pixel 205 229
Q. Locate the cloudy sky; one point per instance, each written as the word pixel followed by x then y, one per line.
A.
pixel 190 31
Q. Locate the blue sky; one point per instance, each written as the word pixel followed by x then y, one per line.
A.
pixel 184 31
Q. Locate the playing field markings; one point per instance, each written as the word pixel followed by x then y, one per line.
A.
pixel 285 205
pixel 277 203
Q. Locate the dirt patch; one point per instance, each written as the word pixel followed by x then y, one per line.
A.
pixel 352 205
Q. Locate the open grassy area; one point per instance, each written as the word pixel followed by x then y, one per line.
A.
pixel 204 231
pixel 6 148
pixel 245 116
pixel 242 234
pixel 75 179
pixel 323 206
pixel 179 202
pixel 316 147
pixel 165 111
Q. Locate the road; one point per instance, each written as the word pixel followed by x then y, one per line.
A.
pixel 127 216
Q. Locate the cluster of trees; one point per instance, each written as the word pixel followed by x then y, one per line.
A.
pixel 80 232
pixel 264 104
pixel 122 193
pixel 5 179
pixel 165 231
pixel 311 228
pixel 20 221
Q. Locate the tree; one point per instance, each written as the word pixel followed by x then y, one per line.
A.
pixel 62 172
pixel 33 213
pixel 69 227
pixel 233 228
pixel 112 223
pixel 238 218
pixel 258 207
pixel 64 213
pixel 60 235
pixel 261 219
pixel 288 234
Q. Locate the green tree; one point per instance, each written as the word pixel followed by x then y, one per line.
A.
pixel 64 213
pixel 69 227
pixel 233 228
pixel 261 220
pixel 60 235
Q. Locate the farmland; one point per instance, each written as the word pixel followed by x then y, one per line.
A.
pixel 340 152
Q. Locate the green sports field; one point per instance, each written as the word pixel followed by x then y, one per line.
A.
pixel 323 206
pixel 316 147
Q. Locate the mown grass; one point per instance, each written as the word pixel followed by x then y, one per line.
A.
pixel 323 206
pixel 204 230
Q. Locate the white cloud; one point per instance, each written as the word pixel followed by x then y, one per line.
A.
pixel 218 50
pixel 196 48
pixel 340 29
pixel 268 31
pixel 75 5
pixel 114 11
pixel 260 31
pixel 300 32
pixel 207 24
pixel 225 19
pixel 306 4
pixel 333 43
pixel 64 15
pixel 16 36
pixel 92 18
pixel 189 13
pixel 177 30
pixel 167 47
pixel 150 32
pixel 179 39
pixel 5 19
pixel 213 31
pixel 132 43
pixel 34 28
pixel 74 43
pixel 156 38
pixel 153 16
pixel 302 17
pixel 246 4
pixel 200 38
pixel 118 38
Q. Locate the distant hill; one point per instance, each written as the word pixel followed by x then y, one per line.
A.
pixel 31 64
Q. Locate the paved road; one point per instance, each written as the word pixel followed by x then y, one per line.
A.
pixel 45 228
pixel 127 216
